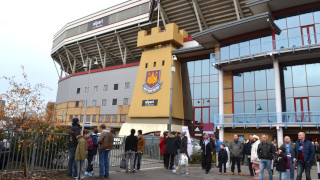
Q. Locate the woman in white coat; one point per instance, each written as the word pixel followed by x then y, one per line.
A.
pixel 254 156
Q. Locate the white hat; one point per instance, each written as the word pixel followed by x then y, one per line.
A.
pixel 256 137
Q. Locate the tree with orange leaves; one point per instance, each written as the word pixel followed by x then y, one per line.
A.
pixel 25 112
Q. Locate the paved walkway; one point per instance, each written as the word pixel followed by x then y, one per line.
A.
pixel 157 172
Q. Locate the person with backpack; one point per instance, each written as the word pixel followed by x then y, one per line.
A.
pixel 92 151
pixel 72 146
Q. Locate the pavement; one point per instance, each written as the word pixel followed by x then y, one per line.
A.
pixel 157 172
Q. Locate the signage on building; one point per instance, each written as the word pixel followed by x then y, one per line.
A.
pixel 198 131
pixel 152 83
pixel 153 102
pixel 98 23
pixel 87 123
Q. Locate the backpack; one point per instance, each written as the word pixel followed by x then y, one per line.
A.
pixel 90 144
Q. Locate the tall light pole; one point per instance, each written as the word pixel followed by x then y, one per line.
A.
pixel 173 58
pixel 85 106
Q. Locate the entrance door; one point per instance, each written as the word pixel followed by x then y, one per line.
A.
pixel 308 35
pixel 301 106
pixel 201 115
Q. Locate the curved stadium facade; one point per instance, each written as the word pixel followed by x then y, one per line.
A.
pixel 241 66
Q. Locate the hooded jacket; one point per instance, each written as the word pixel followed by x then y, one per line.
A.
pixel 254 152
pixel 162 144
pixel 73 133
pixel 81 152
pixel 171 145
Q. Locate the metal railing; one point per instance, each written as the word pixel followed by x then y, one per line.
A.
pixel 239 51
pixel 287 118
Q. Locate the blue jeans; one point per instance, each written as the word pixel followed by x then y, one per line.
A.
pixel 176 158
pixel 290 172
pixel 72 164
pixel 282 175
pixel 303 166
pixel 104 163
pixel 265 163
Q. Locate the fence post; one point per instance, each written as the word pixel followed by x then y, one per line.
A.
pixel 34 153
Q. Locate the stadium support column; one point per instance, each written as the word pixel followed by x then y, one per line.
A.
pixel 221 105
pixel 278 99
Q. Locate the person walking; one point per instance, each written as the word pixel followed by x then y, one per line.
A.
pixel 72 146
pixel 92 151
pixel 105 142
pixel 161 146
pixel 130 150
pixel 183 155
pixel 140 147
pixel 207 149
pixel 289 148
pixel 254 155
pixel 281 163
pixel 171 149
pixel 247 151
pixel 81 153
pixel 223 159
pixel 303 155
pixel 177 157
pixel 236 148
pixel 266 151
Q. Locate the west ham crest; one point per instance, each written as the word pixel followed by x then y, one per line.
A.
pixel 152 83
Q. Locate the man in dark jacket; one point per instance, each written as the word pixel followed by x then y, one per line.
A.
pixel 289 148
pixel 73 133
pixel 207 149
pixel 303 155
pixel 247 151
pixel 222 159
pixel 266 151
pixel 171 149
pixel 131 149
pixel 183 152
pixel 236 148
pixel 177 157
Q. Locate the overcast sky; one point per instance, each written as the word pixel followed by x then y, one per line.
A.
pixel 26 35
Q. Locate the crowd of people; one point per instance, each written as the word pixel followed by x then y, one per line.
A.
pixel 260 153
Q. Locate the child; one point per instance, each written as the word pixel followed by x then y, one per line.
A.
pixel 281 163
pixel 92 151
pixel 81 152
pixel 223 159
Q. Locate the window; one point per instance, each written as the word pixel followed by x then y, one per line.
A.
pixel 88 118
pixel 78 90
pixel 126 101
pixel 108 118
pixel 105 88
pixel 86 89
pixel 104 102
pixel 115 86
pixel 70 117
pixel 94 118
pixel 114 118
pixel 84 103
pixel 123 118
pixel 127 85
pixel 146 65
pixel 154 64
pixel 76 116
pixel 94 103
pixel 163 63
pixel 81 118
pixel 95 88
pixel 63 114
pixel 100 118
pixel 77 103
pixel 114 101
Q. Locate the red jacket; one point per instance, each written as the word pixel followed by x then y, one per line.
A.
pixel 162 145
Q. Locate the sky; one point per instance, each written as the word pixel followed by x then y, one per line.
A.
pixel 26 36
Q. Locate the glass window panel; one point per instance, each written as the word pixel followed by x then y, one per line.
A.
pixel 288 93
pixel 295 37
pixel 313 74
pixel 316 15
pixel 271 94
pixel 197 103
pixel 205 67
pixel 249 96
pixel 314 103
pixel 293 20
pixel 314 91
pixel 238 96
pixel 287 74
pixel 114 118
pixel 214 102
pixel 248 81
pixel 249 107
pixel 100 118
pixel 271 105
pixel 301 92
pixel 255 46
pixel 197 70
pixel 197 91
pixel 234 51
pixel 88 118
pixel 213 70
pixel 214 90
pixel 261 94
pixel 299 76
pixel 205 115
pixel 317 26
pixel 108 118
pixel 262 106
pixel 281 22
pixel 312 36
pixel 244 48
pixel 214 78
pixel 224 53
pixel 213 113
pixel 270 78
pixel 190 68
pixel 307 18
pixel 197 79
pixel 205 79
pixel 260 80
pixel 289 105
pixel 197 115
pixel 282 40
pixel 205 90
pixel 238 107
pixel 266 44
pixel 238 83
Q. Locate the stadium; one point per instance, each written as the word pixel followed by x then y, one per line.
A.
pixel 217 66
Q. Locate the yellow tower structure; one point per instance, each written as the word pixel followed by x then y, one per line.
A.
pixel 150 104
